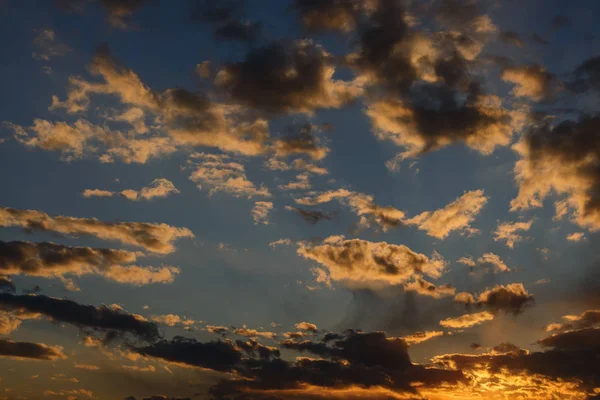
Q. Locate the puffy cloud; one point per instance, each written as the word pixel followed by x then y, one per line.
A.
pixel 228 21
pixel 362 205
pixel 172 320
pixel 260 212
pixel 281 242
pixel 253 333
pixel 302 183
pixel 493 260
pixel 420 337
pixel 295 79
pixel 104 318
pixel 576 237
pixel 87 193
pixel 507 231
pixel 511 298
pixel 217 329
pixel 189 119
pixel 330 14
pixel 216 355
pixel 30 351
pixel 306 326
pixel 468 261
pixel 425 288
pixel 119 11
pixel 531 81
pixel 310 216
pixel 221 174
pixel 301 140
pixel 457 215
pixel 157 238
pixel 48 46
pixel 567 369
pixel 87 367
pixel 561 159
pixel 10 321
pixel 359 262
pixel 467 320
pixel 54 260
pixel 586 319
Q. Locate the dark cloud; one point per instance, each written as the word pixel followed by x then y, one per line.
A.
pixel 323 15
pixel 227 18
pixel 512 298
pixel 510 37
pixel 539 39
pixel 572 357
pixel 153 237
pixel 27 350
pixel 587 75
pixel 301 140
pixel 570 149
pixel 216 355
pixel 253 349
pixel 6 285
pixel 159 397
pixel 277 79
pixel 312 216
pixel 119 11
pixel 111 320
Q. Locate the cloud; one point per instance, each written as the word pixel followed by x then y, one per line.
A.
pixel 511 298
pixel 420 337
pixel 74 141
pixel 217 329
pixel 576 237
pixel 310 216
pixel 457 215
pixel 216 355
pixel 530 81
pixel 467 320
pixel 301 140
pixel 560 159
pixel 277 79
pixel 87 367
pixel 281 242
pixel 426 95
pixel 511 37
pixel 567 369
pixel 425 288
pixel 51 260
pixel 302 183
pixel 362 205
pixel 468 261
pixel 227 19
pixel 330 14
pixel 359 262
pixel 260 212
pixel 47 45
pixel 172 320
pixel 253 333
pixel 493 260
pixel 120 11
pixel 104 318
pixel 507 231
pixel 30 351
pixel 584 320
pixel 189 119
pixel 157 238
pixel 221 174
pixel 11 320
pixel 306 326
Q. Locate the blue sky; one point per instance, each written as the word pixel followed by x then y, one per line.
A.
pixel 475 130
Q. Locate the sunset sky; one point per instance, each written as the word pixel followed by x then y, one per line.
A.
pixel 299 199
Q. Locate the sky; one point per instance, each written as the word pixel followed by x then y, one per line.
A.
pixel 299 199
